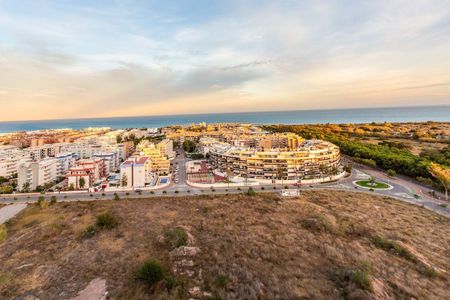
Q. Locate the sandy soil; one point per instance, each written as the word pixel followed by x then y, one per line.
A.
pixel 260 247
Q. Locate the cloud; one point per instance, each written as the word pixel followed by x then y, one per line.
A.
pixel 71 60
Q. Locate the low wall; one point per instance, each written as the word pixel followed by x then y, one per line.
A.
pixel 220 185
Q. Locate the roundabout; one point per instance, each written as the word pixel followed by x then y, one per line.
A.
pixel 372 184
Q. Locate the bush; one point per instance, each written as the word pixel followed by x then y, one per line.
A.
pixel 222 280
pixel 150 272
pixel 164 192
pixel 152 192
pixel 176 237
pixel 391 173
pixel 286 187
pixel 103 194
pixel 3 233
pixel 116 196
pixel 360 277
pixel 251 192
pixel 127 194
pixel 238 188
pixel 90 195
pixel 262 188
pixel 52 200
pixel 176 192
pixel 42 203
pixel 274 187
pixel 393 247
pixel 106 220
pixel 90 231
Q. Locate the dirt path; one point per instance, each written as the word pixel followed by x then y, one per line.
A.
pixel 10 211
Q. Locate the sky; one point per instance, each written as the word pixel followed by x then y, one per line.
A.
pixel 96 58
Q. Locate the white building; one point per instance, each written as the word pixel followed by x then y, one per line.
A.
pixel 135 172
pixel 111 160
pixel 37 173
pixel 10 157
pixel 66 161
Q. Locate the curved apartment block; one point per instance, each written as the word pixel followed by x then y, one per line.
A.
pixel 310 160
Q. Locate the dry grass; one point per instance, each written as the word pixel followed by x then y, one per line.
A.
pixel 315 246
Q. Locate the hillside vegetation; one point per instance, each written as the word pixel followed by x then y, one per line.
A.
pixel 321 245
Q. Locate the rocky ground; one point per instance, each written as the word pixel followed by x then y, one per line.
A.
pixel 320 245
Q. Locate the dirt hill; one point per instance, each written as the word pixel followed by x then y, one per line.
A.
pixel 322 245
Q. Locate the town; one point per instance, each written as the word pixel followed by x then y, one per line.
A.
pixel 105 160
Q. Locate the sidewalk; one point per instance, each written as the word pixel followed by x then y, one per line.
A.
pixel 10 211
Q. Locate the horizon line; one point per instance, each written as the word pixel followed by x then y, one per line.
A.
pixel 224 113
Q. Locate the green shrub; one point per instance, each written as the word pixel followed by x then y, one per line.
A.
pixel 164 192
pixel 42 203
pixel 274 187
pixel 90 195
pixel 103 194
pixel 116 196
pixel 188 191
pixel 90 231
pixel 3 233
pixel 52 200
pixel 286 187
pixel 222 280
pixel 106 220
pixel 238 188
pixel 360 276
pixel 176 192
pixel 391 173
pixel 429 272
pixel 127 194
pixel 251 192
pixel 150 272
pixel 262 188
pixel 152 192
pixel 176 237
pixel 393 247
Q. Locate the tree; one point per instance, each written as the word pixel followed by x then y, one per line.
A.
pixel 6 189
pixel 26 187
pixel 391 173
pixel 124 180
pixel 81 182
pixel 189 146
pixel 71 187
pixel 280 173
pixel 442 174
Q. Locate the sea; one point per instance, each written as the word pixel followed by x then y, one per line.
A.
pixel 336 116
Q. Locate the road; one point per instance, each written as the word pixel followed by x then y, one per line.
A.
pixel 402 189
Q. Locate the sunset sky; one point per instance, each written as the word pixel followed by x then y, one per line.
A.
pixel 74 59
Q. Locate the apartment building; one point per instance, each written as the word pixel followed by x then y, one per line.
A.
pixel 10 157
pixel 66 161
pixel 111 160
pixel 312 159
pixel 159 162
pixel 166 148
pixel 36 174
pixel 91 170
pixel 136 172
